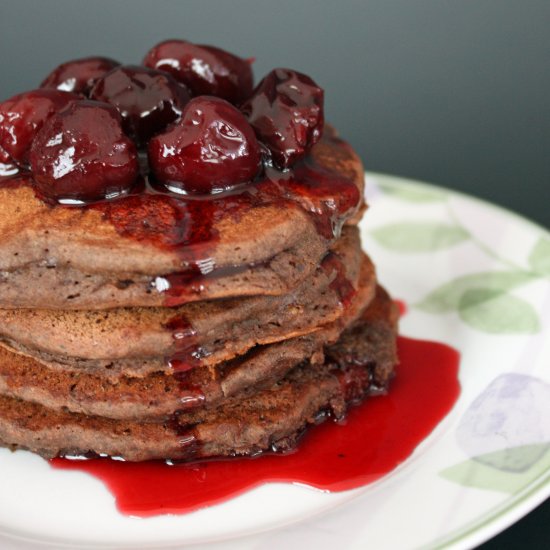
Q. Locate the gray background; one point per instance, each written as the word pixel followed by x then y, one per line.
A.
pixel 452 92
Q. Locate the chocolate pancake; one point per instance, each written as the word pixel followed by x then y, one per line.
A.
pixel 115 394
pixel 151 249
pixel 193 289
pixel 361 362
pixel 200 332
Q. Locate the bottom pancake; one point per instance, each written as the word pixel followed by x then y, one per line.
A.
pixel 360 363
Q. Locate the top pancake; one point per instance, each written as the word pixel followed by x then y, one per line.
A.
pixel 154 249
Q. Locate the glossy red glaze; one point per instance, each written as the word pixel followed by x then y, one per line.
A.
pixel 147 100
pixel 191 396
pixel 206 70
pixel 79 75
pixel 22 116
pixel 286 112
pixel 194 281
pixel 188 225
pixel 81 153
pixel 210 150
pixel 375 438
pixel 187 353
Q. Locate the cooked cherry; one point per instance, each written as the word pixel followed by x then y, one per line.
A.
pixel 286 111
pixel 79 75
pixel 211 149
pixel 148 100
pixel 81 153
pixel 206 70
pixel 23 115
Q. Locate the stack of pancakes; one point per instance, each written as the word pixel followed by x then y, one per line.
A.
pixel 114 344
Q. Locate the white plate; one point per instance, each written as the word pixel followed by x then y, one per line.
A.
pixel 476 277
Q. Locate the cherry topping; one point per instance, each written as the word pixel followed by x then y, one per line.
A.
pixel 82 154
pixel 23 115
pixel 147 100
pixel 79 75
pixel 206 70
pixel 211 149
pixel 286 111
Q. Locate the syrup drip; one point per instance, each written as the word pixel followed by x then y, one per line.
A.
pixel 326 196
pixel 191 396
pixel 187 353
pixel 184 284
pixel 189 225
pixel 375 438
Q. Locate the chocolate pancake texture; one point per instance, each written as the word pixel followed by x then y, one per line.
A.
pixel 213 331
pixel 117 392
pixel 181 275
pixel 136 252
pixel 362 361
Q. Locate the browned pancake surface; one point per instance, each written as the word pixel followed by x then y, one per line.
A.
pixel 221 329
pixel 115 393
pixel 272 417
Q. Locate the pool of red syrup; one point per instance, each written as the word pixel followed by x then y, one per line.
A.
pixel 376 437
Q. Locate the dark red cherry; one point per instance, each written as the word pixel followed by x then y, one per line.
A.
pixel 211 149
pixel 286 112
pixel 23 115
pixel 79 75
pixel 206 70
pixel 81 153
pixel 148 100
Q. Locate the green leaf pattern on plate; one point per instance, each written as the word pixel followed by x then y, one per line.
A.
pixel 539 259
pixel 507 470
pixel 419 236
pixel 411 194
pixel 482 300
pixel 448 296
pixel 491 311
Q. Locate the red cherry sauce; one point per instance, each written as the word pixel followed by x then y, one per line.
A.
pixel 188 353
pixel 375 438
pixel 188 225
